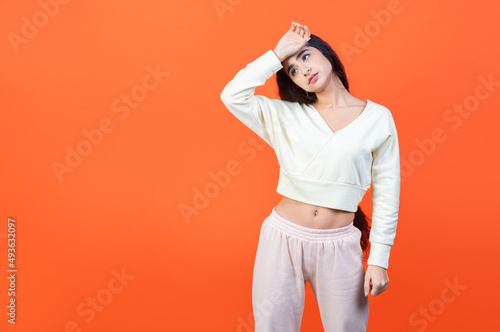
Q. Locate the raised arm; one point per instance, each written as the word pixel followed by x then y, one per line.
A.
pixel 256 111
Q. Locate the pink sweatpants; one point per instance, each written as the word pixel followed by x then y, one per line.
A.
pixel 331 260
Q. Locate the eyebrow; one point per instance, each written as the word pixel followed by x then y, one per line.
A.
pixel 296 58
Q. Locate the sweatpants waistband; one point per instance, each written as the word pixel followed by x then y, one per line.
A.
pixel 311 234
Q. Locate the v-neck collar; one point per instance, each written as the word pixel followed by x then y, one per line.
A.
pixel 318 114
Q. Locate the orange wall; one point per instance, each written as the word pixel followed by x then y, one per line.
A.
pixel 109 223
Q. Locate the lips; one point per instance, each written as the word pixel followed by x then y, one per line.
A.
pixel 313 77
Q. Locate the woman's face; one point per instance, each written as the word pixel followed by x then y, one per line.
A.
pixel 309 69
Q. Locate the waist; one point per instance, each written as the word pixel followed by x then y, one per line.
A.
pixel 313 216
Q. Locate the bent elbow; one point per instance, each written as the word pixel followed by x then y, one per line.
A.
pixel 227 95
pixel 224 96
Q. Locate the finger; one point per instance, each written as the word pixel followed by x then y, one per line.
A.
pixel 308 33
pixel 377 290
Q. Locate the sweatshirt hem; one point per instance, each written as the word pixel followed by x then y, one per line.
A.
pixel 335 195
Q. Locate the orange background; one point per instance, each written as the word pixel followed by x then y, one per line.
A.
pixel 120 206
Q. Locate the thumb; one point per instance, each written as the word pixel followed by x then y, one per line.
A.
pixel 367 285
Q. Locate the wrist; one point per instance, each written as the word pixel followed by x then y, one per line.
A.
pixel 380 267
pixel 278 55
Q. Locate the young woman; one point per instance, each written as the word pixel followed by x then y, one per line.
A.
pixel 330 147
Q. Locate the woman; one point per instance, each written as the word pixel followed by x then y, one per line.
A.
pixel 330 147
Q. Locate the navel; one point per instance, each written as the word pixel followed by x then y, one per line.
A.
pixel 316 212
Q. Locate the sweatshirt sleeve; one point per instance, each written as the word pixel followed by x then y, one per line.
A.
pixel 255 111
pixel 386 184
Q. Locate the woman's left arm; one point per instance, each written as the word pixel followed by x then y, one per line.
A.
pixel 386 182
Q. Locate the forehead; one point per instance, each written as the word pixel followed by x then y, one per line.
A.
pixel 288 61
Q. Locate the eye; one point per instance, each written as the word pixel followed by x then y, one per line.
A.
pixel 304 57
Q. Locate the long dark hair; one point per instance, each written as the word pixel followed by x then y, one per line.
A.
pixel 289 91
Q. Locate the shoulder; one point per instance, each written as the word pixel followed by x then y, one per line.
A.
pixel 382 114
pixel 383 119
pixel 381 110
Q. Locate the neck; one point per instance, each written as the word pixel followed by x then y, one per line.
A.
pixel 334 94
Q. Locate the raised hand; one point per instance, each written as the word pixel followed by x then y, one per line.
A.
pixel 293 40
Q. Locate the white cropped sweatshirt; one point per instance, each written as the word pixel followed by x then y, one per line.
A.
pixel 319 166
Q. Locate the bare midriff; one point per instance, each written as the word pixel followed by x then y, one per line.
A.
pixel 313 216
